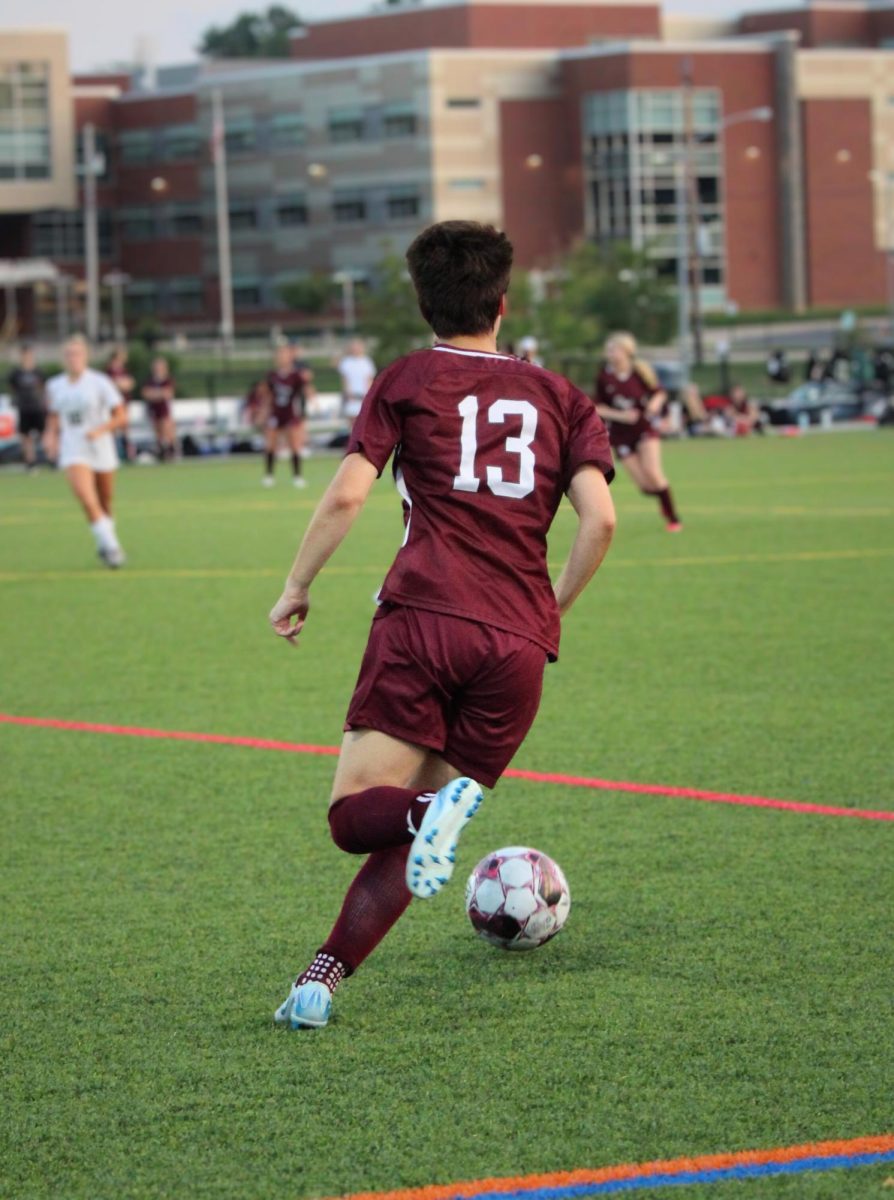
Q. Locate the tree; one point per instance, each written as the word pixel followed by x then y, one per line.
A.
pixel 596 290
pixel 311 295
pixel 390 313
pixel 253 35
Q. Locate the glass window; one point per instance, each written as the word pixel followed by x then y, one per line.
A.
pixel 464 102
pixel 25 150
pixel 59 235
pixel 141 298
pixel 399 120
pixel 241 135
pixel 346 125
pixel 349 206
pixel 291 210
pixel 137 224
pixel 243 215
pixel 467 185
pixel 184 219
pixel 136 146
pixel 402 203
pixel 180 142
pixel 247 293
pixel 185 296
pixel 287 130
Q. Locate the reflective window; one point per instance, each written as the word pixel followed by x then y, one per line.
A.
pixel 291 210
pixel 348 206
pixel 181 142
pixel 287 130
pixel 346 125
pixel 25 148
pixel 136 146
pixel 399 121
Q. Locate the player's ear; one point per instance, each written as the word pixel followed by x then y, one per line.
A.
pixel 503 306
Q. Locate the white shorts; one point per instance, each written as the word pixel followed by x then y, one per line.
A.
pixel 353 405
pixel 98 455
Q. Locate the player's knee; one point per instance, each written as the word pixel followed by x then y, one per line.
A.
pixel 341 826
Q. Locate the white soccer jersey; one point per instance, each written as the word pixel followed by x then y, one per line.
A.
pixel 81 405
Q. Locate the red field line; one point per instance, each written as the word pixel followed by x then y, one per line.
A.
pixel 705 1163
pixel 577 781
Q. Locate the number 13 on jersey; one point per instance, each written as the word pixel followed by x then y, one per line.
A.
pixel 467 480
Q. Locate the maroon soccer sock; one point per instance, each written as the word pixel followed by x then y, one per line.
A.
pixel 666 500
pixel 296 464
pixel 376 900
pixel 377 819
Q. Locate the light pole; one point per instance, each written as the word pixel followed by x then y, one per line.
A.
pixel 689 228
pixel 347 279
pixel 93 166
pixel 116 281
pixel 222 205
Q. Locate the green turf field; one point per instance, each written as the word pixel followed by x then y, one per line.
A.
pixel 724 981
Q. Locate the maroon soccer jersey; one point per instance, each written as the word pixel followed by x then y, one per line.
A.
pixel 485 446
pixel 625 395
pixel 288 393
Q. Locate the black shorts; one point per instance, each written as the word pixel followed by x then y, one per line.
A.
pixel 31 421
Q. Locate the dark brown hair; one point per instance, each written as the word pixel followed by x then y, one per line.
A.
pixel 460 270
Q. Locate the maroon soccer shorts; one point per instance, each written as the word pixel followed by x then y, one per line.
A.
pixel 468 691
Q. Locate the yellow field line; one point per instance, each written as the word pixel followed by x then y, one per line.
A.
pixel 136 573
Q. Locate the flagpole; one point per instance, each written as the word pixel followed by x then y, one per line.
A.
pixel 222 205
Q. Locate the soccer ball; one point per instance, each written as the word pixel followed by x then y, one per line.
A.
pixel 517 898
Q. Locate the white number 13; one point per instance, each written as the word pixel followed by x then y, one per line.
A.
pixel 466 480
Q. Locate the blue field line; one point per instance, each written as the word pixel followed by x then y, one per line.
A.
pixel 681 1178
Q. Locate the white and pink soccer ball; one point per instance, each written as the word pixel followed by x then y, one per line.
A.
pixel 517 898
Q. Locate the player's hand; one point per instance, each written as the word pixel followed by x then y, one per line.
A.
pixel 294 602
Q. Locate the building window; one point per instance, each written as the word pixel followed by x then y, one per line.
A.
pixel 241 135
pixel 25 151
pixel 467 185
pixel 59 235
pixel 185 297
pixel 243 215
pixel 184 220
pixel 346 125
pixel 180 142
pixel 460 102
pixel 141 298
pixel 348 207
pixel 136 146
pixel 291 210
pixel 247 293
pixel 287 130
pixel 403 203
pixel 399 121
pixel 633 143
pixel 137 224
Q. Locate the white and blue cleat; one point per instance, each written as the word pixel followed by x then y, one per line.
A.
pixel 305 1007
pixel 433 853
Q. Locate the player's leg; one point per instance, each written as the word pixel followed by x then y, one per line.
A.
pixel 169 430
pixel 655 480
pixel 105 490
pixel 270 438
pixel 295 437
pixel 29 451
pixel 82 481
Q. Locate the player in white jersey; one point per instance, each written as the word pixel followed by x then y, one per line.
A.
pixel 357 371
pixel 85 411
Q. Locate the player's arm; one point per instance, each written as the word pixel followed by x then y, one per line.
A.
pixel 591 500
pixel 656 403
pixel 625 416
pixel 335 514
pixel 51 436
pixel 117 420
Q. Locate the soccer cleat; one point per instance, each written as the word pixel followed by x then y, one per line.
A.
pixel 268 481
pixel 299 481
pixel 675 527
pixel 433 852
pixel 305 1007
pixel 115 558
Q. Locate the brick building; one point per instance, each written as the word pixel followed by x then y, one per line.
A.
pixel 558 121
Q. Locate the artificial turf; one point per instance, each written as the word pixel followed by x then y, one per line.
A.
pixel 724 981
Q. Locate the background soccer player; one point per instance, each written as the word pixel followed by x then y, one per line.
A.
pixel 288 386
pixel 85 413
pixel 26 386
pixel 357 371
pixel 119 373
pixel 158 393
pixel 630 399
pixel 485 447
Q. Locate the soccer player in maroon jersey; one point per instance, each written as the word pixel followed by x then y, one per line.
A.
pixel 630 399
pixel 288 387
pixel 485 446
pixel 158 393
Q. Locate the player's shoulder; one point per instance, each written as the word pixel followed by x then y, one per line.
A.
pixel 57 381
